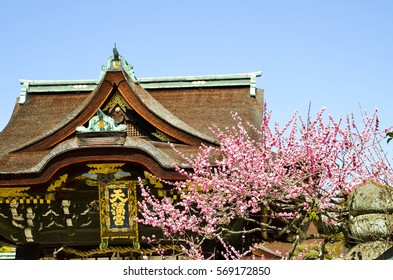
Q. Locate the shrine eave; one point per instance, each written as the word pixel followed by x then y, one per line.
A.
pixel 163 156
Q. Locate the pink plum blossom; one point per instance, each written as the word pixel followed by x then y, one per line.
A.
pixel 275 184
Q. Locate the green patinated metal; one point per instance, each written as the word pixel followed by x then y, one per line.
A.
pixel 245 79
pixel 43 86
pixel 101 122
pixel 119 65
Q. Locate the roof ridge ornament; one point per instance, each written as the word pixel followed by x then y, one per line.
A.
pixel 118 63
pixel 115 54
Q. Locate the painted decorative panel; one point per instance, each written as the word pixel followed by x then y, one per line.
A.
pixel 118 210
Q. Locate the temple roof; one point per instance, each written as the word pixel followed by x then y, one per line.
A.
pixel 43 125
pixel 63 135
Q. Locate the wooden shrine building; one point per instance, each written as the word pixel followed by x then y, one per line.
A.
pixel 72 153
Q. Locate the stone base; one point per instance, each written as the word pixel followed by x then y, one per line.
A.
pixel 368 251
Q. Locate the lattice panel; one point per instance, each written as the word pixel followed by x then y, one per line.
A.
pixel 133 131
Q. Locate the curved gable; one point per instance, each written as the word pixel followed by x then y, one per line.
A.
pixel 138 98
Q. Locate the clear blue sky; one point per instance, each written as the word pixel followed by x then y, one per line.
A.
pixel 334 53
